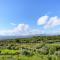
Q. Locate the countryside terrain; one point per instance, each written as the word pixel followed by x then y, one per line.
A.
pixel 34 48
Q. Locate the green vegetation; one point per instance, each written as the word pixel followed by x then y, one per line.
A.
pixel 35 48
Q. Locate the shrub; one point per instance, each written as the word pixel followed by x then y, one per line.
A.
pixel 44 50
pixel 52 50
pixel 27 53
pixel 57 53
pixel 49 58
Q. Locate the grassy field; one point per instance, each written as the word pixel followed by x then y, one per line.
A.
pixel 35 48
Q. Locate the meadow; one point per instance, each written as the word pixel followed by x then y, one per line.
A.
pixel 34 48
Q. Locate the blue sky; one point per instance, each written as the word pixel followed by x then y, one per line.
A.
pixel 29 17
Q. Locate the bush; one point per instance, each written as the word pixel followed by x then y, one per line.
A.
pixel 44 50
pixel 49 58
pixel 57 53
pixel 52 50
pixel 27 53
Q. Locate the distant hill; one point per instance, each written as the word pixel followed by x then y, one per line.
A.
pixel 28 36
pixel 13 37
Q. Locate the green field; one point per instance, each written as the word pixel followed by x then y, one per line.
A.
pixel 35 48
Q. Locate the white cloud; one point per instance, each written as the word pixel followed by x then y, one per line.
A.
pixel 48 22
pixel 42 20
pixel 53 22
pixel 21 27
pixel 18 30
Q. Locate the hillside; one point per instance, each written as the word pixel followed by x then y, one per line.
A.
pixel 37 47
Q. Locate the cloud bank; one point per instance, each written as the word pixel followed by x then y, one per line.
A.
pixel 53 22
pixel 50 24
pixel 47 23
pixel 20 30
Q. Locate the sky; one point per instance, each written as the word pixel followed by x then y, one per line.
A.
pixel 29 17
